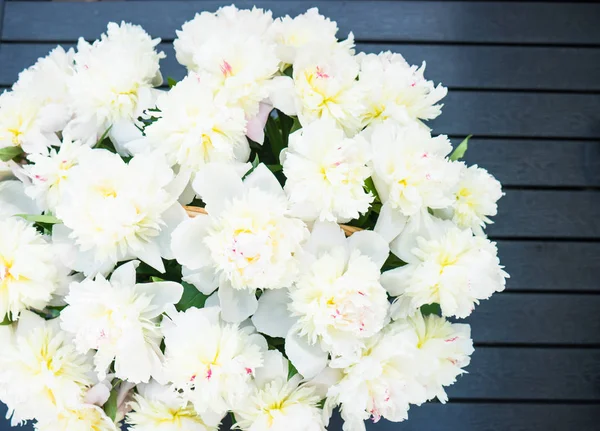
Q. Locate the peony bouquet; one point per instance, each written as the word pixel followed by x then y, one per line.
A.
pixel 273 237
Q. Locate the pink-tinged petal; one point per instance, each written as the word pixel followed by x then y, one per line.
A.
pixel 255 127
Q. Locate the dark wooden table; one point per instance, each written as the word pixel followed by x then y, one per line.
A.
pixel 524 79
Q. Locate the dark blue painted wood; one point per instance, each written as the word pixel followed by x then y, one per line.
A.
pixel 523 79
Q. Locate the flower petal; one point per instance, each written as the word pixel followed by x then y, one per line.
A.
pixel 216 184
pixel 236 305
pixel 275 366
pixel 272 316
pixel 262 178
pixel 324 237
pixel 163 294
pixel 390 223
pixel 370 244
pixel 187 242
pixel 124 275
pixel 308 359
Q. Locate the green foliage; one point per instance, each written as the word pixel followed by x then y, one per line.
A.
pixel 292 371
pixel 111 407
pixel 431 309
pixel 6 321
pixel 392 262
pixel 171 82
pixel 275 136
pixel 44 219
pixel 459 152
pixel 10 153
pixel 191 297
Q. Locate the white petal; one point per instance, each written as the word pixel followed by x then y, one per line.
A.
pixel 282 94
pixel 370 244
pixel 124 275
pixel 172 217
pixel 213 301
pixel 255 127
pixel 13 200
pixel 325 379
pixel 324 237
pixel 262 178
pixel 308 359
pixel 28 321
pixel 236 305
pixel 97 394
pixel 150 254
pixel 123 132
pixel 272 316
pixel 397 280
pixel 275 366
pixel 390 223
pixel 163 293
pixel 187 242
pixel 216 184
pixel 204 279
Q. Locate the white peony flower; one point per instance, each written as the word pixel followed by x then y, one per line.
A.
pixel 38 105
pixel 41 369
pixel 113 84
pixel 444 265
pixel 411 174
pixel 279 404
pixel 228 50
pixel 85 417
pixel 119 319
pixel 248 241
pixel 325 86
pixel 395 90
pixel 443 350
pixel 308 32
pixel 476 195
pixel 50 172
pixel 336 304
pixel 159 408
pixel 326 173
pixel 382 382
pixel 13 200
pixel 195 127
pixel 214 370
pixel 30 273
pixel 113 211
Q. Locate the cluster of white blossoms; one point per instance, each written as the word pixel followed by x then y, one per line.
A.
pixel 276 236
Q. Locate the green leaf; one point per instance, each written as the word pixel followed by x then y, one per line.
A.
pixel 460 151
pixel 370 187
pixel 296 125
pixel 6 321
pixel 156 279
pixel 392 262
pixel 191 297
pixel 274 136
pixel 275 168
pixel 428 309
pixel 286 123
pixel 9 153
pixel 292 371
pixel 46 219
pixel 103 137
pixel 172 82
pixel 255 162
pixel 110 408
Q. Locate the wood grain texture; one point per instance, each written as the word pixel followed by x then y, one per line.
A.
pixel 547 214
pixel 551 266
pixel 489 417
pixel 480 22
pixel 456 66
pixel 506 114
pixel 522 318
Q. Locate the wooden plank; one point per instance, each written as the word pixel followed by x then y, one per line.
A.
pixel 547 214
pixel 552 319
pixel 531 162
pixel 503 67
pixel 551 266
pixel 480 22
pixel 462 66
pixel 488 417
pixel 506 114
pixel 530 374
